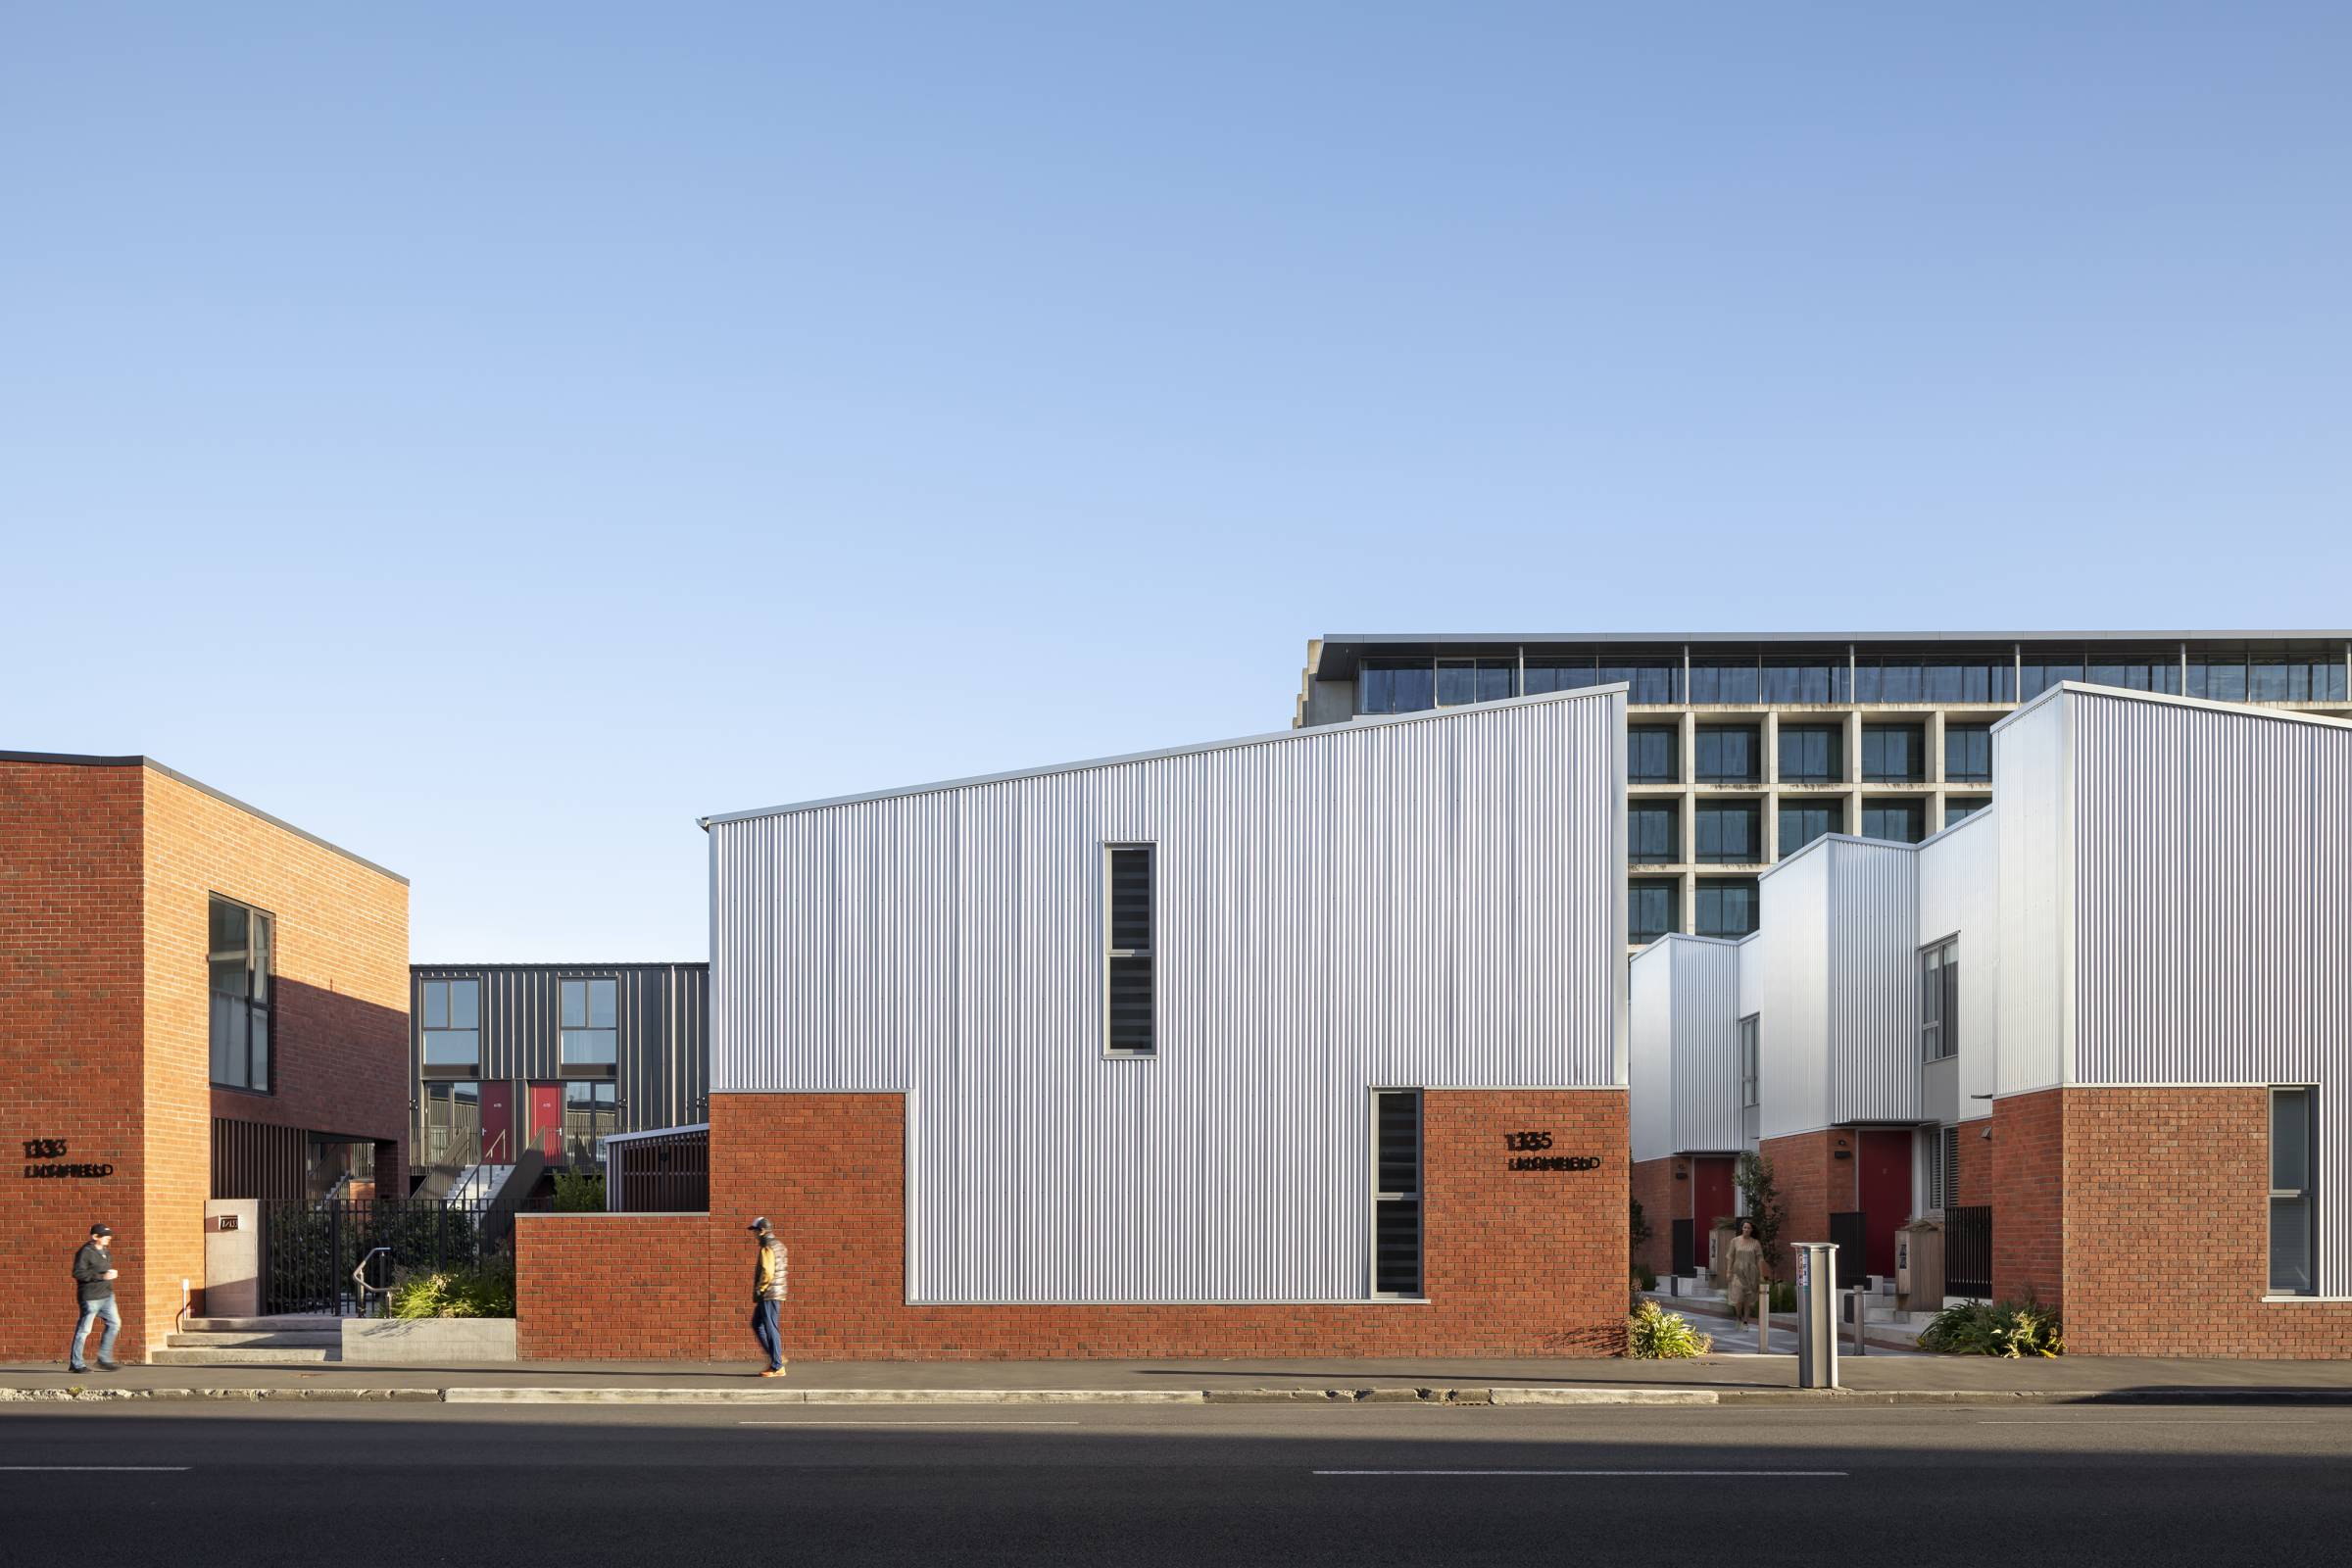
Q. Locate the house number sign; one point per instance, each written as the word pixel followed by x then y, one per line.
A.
pixel 1527 1154
pixel 42 1161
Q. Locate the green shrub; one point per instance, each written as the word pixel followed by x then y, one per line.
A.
pixel 1752 1175
pixel 1637 1227
pixel 2011 1329
pixel 579 1191
pixel 486 1290
pixel 1784 1295
pixel 1657 1335
pixel 1645 1277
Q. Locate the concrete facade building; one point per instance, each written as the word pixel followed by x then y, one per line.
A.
pixel 2110 1020
pixel 199 1001
pixel 1305 1043
pixel 1741 748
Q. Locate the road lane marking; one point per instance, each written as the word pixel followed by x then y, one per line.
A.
pixel 122 1469
pixel 907 1423
pixel 1775 1474
pixel 2158 1423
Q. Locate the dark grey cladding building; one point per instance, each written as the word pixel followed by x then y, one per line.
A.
pixel 505 1058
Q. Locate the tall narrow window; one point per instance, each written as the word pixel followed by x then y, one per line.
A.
pixel 1750 1084
pixel 1129 929
pixel 449 1014
pixel 239 960
pixel 1939 1002
pixel 591 1026
pixel 1396 1192
pixel 1943 1167
pixel 2294 1222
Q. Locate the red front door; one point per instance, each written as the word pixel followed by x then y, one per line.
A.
pixel 547 1120
pixel 1885 1191
pixel 1711 1197
pixel 498 1124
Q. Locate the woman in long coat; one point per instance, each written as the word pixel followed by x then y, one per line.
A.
pixel 1747 1270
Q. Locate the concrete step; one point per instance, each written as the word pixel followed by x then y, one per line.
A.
pixel 282 1340
pixel 286 1322
pixel 246 1355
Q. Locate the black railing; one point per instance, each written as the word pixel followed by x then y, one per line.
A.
pixel 312 1249
pixel 1968 1252
pixel 1684 1258
pixel 659 1173
pixel 1851 1231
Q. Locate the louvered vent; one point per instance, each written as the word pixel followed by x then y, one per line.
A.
pixel 1397 1204
pixel 1130 989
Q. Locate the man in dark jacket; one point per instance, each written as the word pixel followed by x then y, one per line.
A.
pixel 94 1288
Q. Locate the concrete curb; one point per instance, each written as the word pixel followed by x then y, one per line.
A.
pixel 232 1396
pixel 790 1396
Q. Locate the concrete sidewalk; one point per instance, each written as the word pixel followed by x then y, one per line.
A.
pixel 1712 1380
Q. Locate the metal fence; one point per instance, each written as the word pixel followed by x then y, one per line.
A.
pixel 1851 1231
pixel 663 1172
pixel 1968 1252
pixel 311 1248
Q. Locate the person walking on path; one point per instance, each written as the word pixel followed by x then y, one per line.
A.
pixel 768 1296
pixel 1747 1270
pixel 94 1290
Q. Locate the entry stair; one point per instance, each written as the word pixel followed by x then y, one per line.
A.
pixel 252 1342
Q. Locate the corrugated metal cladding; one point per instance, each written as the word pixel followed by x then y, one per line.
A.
pixel 1873 1004
pixel 1650 1049
pixel 1786 983
pixel 663 1028
pixel 1428 903
pixel 1959 894
pixel 2213 913
pixel 2032 820
pixel 1706 1046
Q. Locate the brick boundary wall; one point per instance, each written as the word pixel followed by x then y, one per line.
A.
pixel 1976 1165
pixel 2167 1230
pixel 1652 1185
pixel 1806 1176
pixel 2027 1180
pixel 1515 1263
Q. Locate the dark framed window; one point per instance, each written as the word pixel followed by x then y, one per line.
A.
pixel 449 1016
pixel 1653 832
pixel 1725 680
pixel 2038 672
pixel 2135 672
pixel 591 1110
pixel 591 1024
pixel 1729 832
pixel 1130 919
pixel 2299 676
pixel 1726 753
pixel 1804 821
pixel 452 1123
pixel 1897 821
pixel 1812 754
pixel 2294 1217
pixel 1475 680
pixel 1750 1079
pixel 1968 754
pixel 1939 1002
pixel 1554 674
pixel 1943 1167
pixel 1650 754
pixel 1649 908
pixel 1727 907
pixel 239 963
pixel 1396 1192
pixel 1960 808
pixel 1806 680
pixel 1977 679
pixel 1395 686
pixel 1894 753
pixel 1652 680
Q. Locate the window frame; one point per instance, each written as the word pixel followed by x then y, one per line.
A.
pixel 1917 736
pixel 1981 734
pixel 259 1003
pixel 1701 734
pixel 1670 887
pixel 1833 737
pixel 1113 954
pixel 1751 1061
pixel 1671 735
pixel 1712 811
pixel 1669 806
pixel 1720 886
pixel 566 1067
pixel 1940 1038
pixel 426 1031
pixel 1830 809
pixel 2307 1194
pixel 1384 1196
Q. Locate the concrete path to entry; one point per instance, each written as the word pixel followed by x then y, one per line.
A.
pixel 1913 1378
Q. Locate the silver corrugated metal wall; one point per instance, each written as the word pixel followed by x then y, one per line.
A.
pixel 1430 901
pixel 1959 894
pixel 1873 1004
pixel 1706 1046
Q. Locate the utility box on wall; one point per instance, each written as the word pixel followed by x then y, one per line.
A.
pixel 1919 1267
pixel 232 1257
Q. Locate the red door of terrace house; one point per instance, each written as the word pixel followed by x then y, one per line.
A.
pixel 547 1120
pixel 1883 1187
pixel 498 1124
pixel 1710 1197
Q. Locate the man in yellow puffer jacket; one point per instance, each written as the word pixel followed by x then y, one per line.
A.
pixel 768 1296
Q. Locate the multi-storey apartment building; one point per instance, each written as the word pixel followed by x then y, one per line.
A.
pixel 1743 748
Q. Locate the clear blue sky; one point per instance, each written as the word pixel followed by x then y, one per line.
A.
pixel 492 436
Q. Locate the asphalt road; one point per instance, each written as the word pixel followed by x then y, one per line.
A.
pixel 433 1484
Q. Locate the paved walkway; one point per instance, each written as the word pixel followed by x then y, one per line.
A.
pixel 1931 1375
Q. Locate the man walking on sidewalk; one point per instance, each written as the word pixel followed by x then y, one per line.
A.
pixel 768 1296
pixel 94 1288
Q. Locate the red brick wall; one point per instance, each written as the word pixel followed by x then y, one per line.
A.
pixel 1515 1263
pixel 70 1007
pixel 1813 1182
pixel 2028 1185
pixel 1654 1184
pixel 1976 1165
pixel 2167 1230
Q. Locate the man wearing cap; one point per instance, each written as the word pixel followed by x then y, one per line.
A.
pixel 768 1296
pixel 94 1287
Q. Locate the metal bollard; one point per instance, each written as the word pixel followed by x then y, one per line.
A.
pixel 1861 1320
pixel 1817 1334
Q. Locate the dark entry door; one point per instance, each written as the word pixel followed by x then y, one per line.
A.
pixel 1711 1197
pixel 498 1124
pixel 1884 1186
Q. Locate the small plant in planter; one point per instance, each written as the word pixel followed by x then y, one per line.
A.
pixel 486 1290
pixel 1657 1335
pixel 2013 1330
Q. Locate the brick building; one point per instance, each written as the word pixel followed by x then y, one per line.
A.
pixel 199 1001
pixel 1305 1043
pixel 2103 1030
